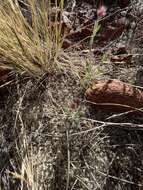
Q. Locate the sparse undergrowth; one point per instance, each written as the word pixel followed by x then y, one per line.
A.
pixel 51 138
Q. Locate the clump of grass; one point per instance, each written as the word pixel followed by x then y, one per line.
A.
pixel 26 174
pixel 29 41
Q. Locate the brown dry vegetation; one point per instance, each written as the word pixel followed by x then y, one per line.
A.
pixel 51 138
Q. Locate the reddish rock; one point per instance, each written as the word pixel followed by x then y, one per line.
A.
pixel 3 74
pixel 121 59
pixel 4 78
pixel 114 95
pixel 123 3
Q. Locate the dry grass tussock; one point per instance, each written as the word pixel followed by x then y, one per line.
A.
pixel 28 41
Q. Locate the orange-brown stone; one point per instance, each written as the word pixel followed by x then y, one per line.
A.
pixel 114 95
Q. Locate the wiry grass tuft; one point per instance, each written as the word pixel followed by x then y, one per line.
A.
pixel 27 175
pixel 29 41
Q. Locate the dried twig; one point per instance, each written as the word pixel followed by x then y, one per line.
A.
pixel 68 157
pixel 127 126
pixel 119 179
